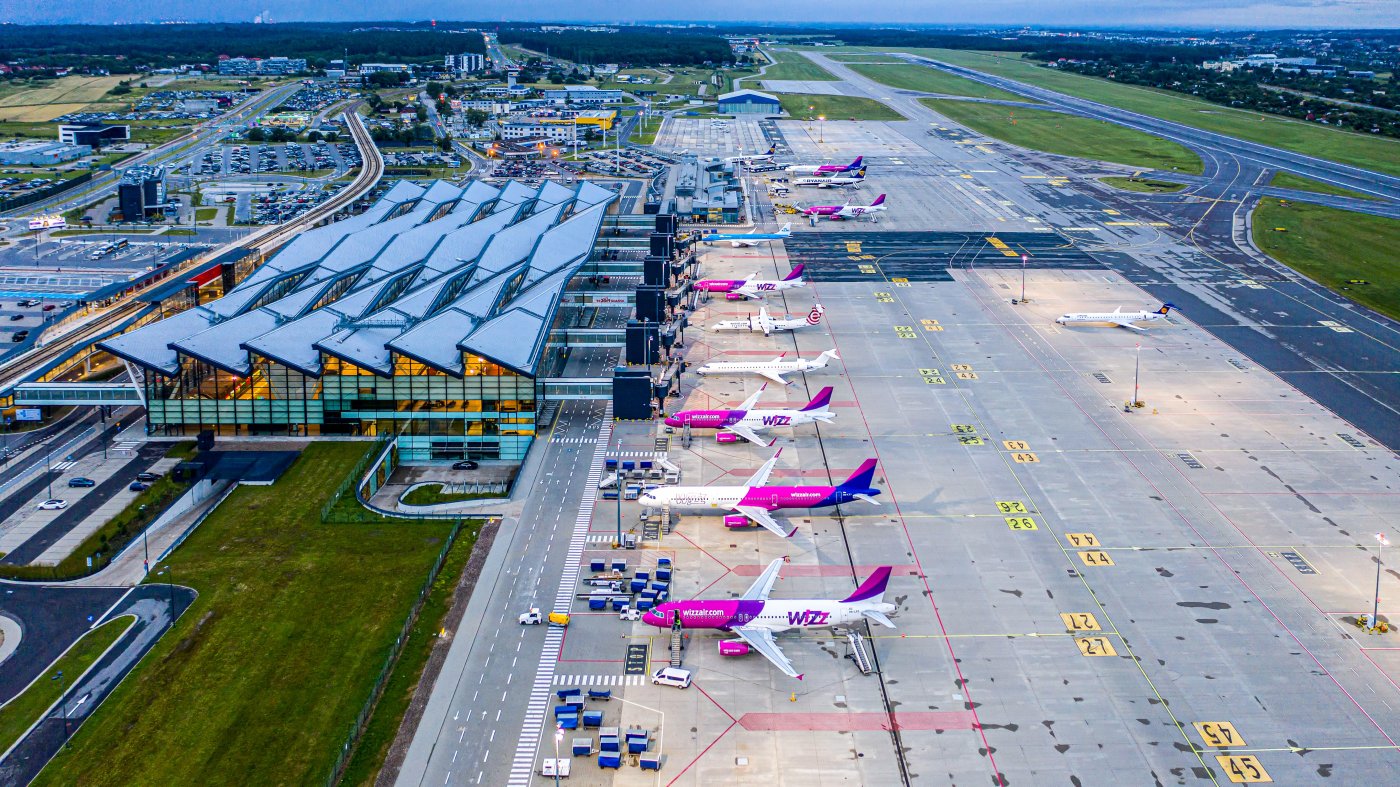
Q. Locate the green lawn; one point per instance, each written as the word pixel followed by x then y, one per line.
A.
pixel 1287 180
pixel 836 107
pixel 398 692
pixel 20 713
pixel 1332 246
pixel 1067 135
pixel 864 58
pixel 911 77
pixel 1371 152
pixel 261 679
pixel 792 66
pixel 1144 185
pixel 205 214
pixel 427 495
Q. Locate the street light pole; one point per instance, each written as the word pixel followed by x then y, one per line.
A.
pixel 1381 542
pixel 1024 258
pixel 821 128
pixel 48 465
pixel 558 736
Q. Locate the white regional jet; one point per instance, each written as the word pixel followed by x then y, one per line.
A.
pixel 768 324
pixel 1118 317
pixel 773 370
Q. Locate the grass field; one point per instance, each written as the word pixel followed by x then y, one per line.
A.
pixel 1143 185
pixel 1067 135
pixel 369 757
pixel 261 679
pixel 795 67
pixel 836 107
pixel 1287 180
pixel 1360 150
pixel 864 58
pixel 19 713
pixel 1331 246
pixel 47 99
pixel 427 495
pixel 911 77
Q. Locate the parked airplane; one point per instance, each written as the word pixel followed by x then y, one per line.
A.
pixel 773 370
pixel 747 422
pixel 756 619
pixel 825 169
pixel 753 158
pixel 768 325
pixel 1118 317
pixel 756 501
pixel 847 211
pixel 738 289
pixel 854 179
pixel 750 239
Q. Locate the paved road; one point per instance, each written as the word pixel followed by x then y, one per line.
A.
pixel 53 618
pixel 150 605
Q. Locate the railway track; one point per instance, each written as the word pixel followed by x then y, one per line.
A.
pixel 17 369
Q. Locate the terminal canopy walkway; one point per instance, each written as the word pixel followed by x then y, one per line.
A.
pixel 34 394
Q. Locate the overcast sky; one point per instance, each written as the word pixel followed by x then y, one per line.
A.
pixel 1079 13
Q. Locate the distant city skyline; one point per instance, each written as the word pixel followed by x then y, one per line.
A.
pixel 1198 14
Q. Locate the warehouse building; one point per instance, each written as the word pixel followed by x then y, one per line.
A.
pixel 749 102
pixel 434 315
pixel 93 135
pixel 40 154
pixel 583 94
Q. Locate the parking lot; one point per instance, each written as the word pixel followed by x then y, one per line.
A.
pixel 290 157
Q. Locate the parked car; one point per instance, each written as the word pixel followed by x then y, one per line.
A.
pixel 147 477
pixel 14 317
pixel 465 464
pixel 80 482
pixel 53 505
pixel 137 486
pixel 672 676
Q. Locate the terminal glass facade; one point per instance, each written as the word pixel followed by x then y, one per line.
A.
pixel 487 413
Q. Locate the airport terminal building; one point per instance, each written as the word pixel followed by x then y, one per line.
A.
pixel 429 315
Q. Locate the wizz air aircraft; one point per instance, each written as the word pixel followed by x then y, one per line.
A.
pixel 773 370
pixel 755 501
pixel 747 422
pixel 753 157
pixel 739 289
pixel 750 239
pixel 768 325
pixel 1118 317
pixel 825 169
pixel 854 179
pixel 847 211
pixel 755 618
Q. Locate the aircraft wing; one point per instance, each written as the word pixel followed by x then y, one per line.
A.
pixel 776 377
pixel 761 587
pixel 752 400
pixel 761 477
pixel 763 518
pixel 761 640
pixel 747 434
pixel 1128 325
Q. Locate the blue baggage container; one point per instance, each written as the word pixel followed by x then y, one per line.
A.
pixel 663 561
pixel 637 585
pixel 618 604
pixel 661 586
pixel 583 747
pixel 597 603
pixel 645 576
pixel 568 721
pixel 596 565
pixel 608 743
pixel 651 763
pixel 619 565
pixel 565 694
pixel 610 464
pixel 600 694
pixel 568 707
pixel 644 604
pixel 609 761
pixel 663 574
pixel 592 718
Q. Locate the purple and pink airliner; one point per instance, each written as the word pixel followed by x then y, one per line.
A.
pixel 739 289
pixel 746 422
pixel 754 618
pixel 754 502
pixel 825 169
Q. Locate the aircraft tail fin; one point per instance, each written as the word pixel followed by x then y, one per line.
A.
pixel 786 230
pixel 863 477
pixel 1166 307
pixel 796 270
pixel 856 164
pixel 872 589
pixel 815 315
pixel 820 401
pixel 825 358
pixel 880 200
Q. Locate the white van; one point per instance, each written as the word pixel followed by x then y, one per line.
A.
pixel 672 676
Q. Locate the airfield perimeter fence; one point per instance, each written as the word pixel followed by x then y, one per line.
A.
pixel 357 728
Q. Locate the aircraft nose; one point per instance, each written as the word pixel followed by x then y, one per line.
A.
pixel 672 420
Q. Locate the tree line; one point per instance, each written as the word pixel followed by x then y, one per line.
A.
pixel 628 46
